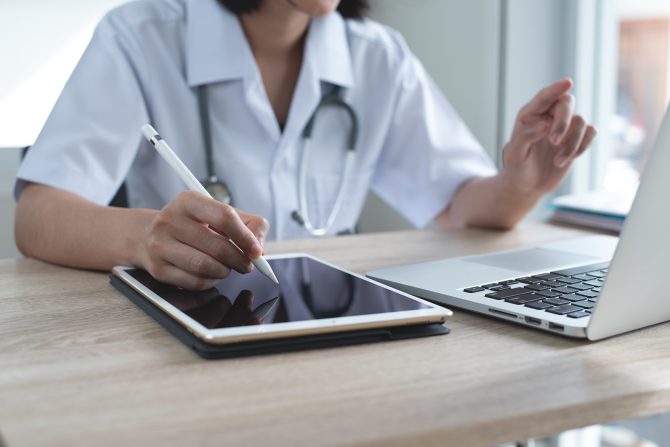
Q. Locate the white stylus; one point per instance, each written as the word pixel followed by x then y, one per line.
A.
pixel 168 154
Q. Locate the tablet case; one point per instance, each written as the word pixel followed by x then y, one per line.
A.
pixel 213 351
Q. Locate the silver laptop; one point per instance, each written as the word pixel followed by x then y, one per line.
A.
pixel 593 287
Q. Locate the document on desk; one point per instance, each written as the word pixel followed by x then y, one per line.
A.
pixel 595 209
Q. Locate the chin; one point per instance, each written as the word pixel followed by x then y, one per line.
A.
pixel 320 8
pixel 327 7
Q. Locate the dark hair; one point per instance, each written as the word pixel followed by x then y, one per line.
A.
pixel 349 9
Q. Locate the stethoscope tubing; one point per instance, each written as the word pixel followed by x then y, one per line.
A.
pixel 301 215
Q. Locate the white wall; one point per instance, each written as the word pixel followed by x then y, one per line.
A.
pixel 458 43
pixel 40 41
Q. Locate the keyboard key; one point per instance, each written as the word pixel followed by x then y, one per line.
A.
pixel 580 314
pixel 567 280
pixel 509 282
pixel 539 305
pixel 536 287
pixel 565 309
pixel 488 286
pixel 473 289
pixel 551 284
pixel 585 304
pixel 556 301
pixel 563 290
pixel 508 293
pixel 548 293
pixel 546 276
pixel 597 289
pixel 529 280
pixel 523 299
pixel 581 286
pixel 594 283
pixel 572 297
pixel 583 269
pixel 597 274
pixel 498 288
pixel 588 293
pixel 583 277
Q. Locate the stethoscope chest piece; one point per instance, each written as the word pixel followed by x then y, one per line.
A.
pixel 218 190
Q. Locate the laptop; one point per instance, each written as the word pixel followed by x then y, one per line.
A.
pixel 589 287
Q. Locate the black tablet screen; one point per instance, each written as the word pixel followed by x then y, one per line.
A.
pixel 307 290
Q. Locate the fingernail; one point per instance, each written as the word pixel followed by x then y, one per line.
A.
pixel 555 138
pixel 560 161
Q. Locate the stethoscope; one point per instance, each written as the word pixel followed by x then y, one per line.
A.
pixel 221 192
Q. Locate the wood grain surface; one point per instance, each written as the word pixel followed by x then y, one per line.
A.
pixel 82 365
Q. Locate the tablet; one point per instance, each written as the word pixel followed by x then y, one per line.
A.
pixel 314 301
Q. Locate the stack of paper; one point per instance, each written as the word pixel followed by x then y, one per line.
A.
pixel 596 209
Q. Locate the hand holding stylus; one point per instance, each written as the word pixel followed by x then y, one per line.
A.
pixel 195 240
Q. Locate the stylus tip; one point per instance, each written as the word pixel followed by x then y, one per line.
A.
pixel 262 264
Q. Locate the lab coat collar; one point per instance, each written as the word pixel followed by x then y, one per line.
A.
pixel 327 49
pixel 217 49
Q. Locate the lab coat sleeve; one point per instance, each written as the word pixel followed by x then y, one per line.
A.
pixel 93 133
pixel 428 153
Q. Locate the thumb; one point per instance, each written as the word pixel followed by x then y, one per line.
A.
pixel 523 137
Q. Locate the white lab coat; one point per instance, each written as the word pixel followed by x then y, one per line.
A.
pixel 147 58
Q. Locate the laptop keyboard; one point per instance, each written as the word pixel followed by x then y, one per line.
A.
pixel 572 292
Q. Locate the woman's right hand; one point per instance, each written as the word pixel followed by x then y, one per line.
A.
pixel 188 242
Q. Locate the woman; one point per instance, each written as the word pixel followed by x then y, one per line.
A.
pixel 255 71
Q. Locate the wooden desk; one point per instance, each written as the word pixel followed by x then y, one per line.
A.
pixel 102 372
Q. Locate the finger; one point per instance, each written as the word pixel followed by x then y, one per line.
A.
pixel 257 224
pixel 194 262
pixel 207 241
pixel 545 99
pixel 562 113
pixel 224 219
pixel 175 276
pixel 240 312
pixel 212 312
pixel 589 136
pixel 192 300
pixel 571 141
pixel 523 137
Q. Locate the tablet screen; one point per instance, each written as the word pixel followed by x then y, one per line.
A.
pixel 307 290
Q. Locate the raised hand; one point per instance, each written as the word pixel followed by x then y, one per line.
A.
pixel 547 137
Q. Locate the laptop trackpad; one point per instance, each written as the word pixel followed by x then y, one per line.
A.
pixel 531 259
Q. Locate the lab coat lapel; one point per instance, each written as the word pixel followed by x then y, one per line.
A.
pixel 259 104
pixel 306 98
pixel 326 59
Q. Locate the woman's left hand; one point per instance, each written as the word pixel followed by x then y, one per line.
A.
pixel 547 137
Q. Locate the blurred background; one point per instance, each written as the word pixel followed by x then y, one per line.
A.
pixel 489 58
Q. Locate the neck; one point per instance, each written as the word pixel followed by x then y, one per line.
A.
pixel 275 30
